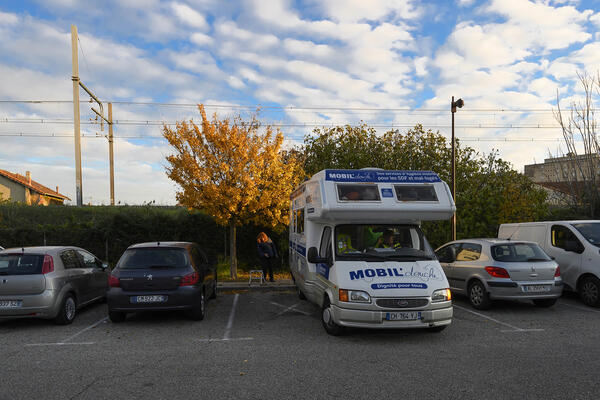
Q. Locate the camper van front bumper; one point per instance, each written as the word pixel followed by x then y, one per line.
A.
pixel 441 315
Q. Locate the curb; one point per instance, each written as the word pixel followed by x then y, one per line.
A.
pixel 256 286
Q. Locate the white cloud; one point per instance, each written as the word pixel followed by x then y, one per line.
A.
pixel 201 39
pixel 189 16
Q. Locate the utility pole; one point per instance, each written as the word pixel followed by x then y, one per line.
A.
pixel 77 126
pixel 76 122
pixel 111 158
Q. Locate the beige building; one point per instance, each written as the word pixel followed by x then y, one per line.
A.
pixel 562 177
pixel 23 189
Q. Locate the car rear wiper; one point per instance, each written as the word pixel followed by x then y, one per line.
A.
pixel 160 266
pixel 537 259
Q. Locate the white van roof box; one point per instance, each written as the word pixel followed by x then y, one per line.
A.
pixel 374 195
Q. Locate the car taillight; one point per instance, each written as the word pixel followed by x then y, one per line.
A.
pixel 557 272
pixel 48 265
pixel 189 279
pixel 113 281
pixel 497 272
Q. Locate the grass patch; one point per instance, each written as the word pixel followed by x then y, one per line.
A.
pixel 243 272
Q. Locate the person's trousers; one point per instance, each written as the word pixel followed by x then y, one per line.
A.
pixel 267 267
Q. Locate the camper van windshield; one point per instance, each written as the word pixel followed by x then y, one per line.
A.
pixel 590 231
pixel 376 242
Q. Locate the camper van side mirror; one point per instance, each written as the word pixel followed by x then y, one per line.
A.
pixel 313 256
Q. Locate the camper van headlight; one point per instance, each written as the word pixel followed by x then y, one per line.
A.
pixel 354 296
pixel 441 295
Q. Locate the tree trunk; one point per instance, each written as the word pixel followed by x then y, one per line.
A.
pixel 232 248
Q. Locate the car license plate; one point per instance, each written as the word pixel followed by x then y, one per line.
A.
pixel 10 303
pixel 403 316
pixel 536 288
pixel 148 299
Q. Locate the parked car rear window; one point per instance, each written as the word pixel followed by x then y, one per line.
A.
pixel 21 264
pixel 518 252
pixel 153 257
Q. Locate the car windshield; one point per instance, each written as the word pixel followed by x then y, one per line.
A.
pixel 21 264
pixel 519 252
pixel 153 257
pixel 590 231
pixel 377 242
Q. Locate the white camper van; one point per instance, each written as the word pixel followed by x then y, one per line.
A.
pixel 357 251
pixel 575 245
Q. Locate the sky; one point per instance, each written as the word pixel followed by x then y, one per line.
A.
pixel 389 63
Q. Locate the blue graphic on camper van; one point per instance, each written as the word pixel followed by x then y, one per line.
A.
pixel 344 175
pixel 395 285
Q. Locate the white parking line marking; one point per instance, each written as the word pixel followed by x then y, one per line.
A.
pixel 231 315
pixel 225 340
pixel 562 303
pixel 59 344
pixel 85 330
pixel 514 328
pixel 293 307
pixel 64 342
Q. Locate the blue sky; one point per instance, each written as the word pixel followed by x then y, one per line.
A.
pixel 305 63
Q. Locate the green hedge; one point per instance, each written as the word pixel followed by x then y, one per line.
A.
pixel 107 231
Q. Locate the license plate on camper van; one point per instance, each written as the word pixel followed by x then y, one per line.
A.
pixel 403 316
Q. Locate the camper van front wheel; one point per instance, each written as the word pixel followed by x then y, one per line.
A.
pixel 301 295
pixel 328 323
pixel 589 290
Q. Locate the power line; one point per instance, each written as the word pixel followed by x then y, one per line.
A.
pixel 67 121
pixel 60 135
pixel 293 108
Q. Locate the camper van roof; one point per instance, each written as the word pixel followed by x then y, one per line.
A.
pixel 373 195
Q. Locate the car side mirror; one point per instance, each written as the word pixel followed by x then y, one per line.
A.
pixel 313 256
pixel 104 265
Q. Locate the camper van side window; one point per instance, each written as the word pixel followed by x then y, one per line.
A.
pixel 358 193
pixel 325 248
pixel 415 193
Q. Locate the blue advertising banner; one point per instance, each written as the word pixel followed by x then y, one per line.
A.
pixel 349 175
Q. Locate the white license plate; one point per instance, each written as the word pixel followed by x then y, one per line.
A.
pixel 536 288
pixel 148 299
pixel 10 303
pixel 403 316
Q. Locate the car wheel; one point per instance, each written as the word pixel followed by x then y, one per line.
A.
pixel 479 297
pixel 116 316
pixel 67 312
pixel 327 319
pixel 199 311
pixel 544 302
pixel 589 291
pixel 301 295
pixel 437 328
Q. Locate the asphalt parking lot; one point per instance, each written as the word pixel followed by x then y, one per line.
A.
pixel 270 345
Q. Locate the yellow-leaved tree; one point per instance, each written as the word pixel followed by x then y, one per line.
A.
pixel 234 170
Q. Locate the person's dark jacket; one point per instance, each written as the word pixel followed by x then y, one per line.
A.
pixel 267 248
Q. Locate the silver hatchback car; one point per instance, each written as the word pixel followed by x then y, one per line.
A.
pixel 49 282
pixel 498 269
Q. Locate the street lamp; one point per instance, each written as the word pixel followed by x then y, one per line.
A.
pixel 453 105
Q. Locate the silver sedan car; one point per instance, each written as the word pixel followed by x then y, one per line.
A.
pixel 498 269
pixel 49 282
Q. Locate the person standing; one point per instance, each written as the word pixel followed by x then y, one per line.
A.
pixel 267 253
